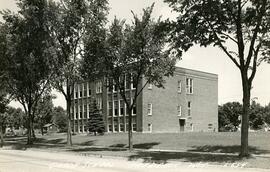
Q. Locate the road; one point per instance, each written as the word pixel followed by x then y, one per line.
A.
pixel 41 161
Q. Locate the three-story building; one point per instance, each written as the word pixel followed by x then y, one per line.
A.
pixel 189 102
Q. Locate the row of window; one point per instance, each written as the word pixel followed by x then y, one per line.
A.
pixel 189 86
pixel 119 108
pixel 80 112
pixel 81 90
pixel 121 127
pixel 179 109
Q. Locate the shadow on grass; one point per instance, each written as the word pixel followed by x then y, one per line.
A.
pixel 118 146
pixel 51 141
pixel 96 149
pixel 88 143
pixel 225 149
pixel 136 146
pixel 24 146
pixel 145 145
pixel 164 157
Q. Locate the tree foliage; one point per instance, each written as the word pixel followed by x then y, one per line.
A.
pixel 245 24
pixel 60 118
pixel 95 123
pixel 27 51
pixel 43 112
pixel 229 116
pixel 131 54
pixel 68 26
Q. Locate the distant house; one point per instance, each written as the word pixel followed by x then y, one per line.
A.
pixel 50 128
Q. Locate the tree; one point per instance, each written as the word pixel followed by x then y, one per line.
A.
pixel 256 115
pixel 3 116
pixel 16 117
pixel 134 55
pixel 95 123
pixel 60 118
pixel 244 23
pixel 229 116
pixel 44 111
pixel 27 47
pixel 69 19
pixel 267 114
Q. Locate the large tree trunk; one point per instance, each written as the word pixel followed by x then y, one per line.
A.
pixel 130 138
pixel 29 130
pixel 69 134
pixel 2 136
pixel 245 116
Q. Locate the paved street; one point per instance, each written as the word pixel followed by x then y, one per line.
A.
pixel 39 161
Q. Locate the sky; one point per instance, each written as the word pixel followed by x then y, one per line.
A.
pixel 210 59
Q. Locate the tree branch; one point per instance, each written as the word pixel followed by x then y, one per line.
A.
pixel 255 33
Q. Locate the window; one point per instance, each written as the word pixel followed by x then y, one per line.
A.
pixel 98 87
pixel 150 128
pixel 179 110
pixel 99 102
pixel 85 111
pixel 121 125
pixel 134 127
pixel 189 85
pixel 210 126
pixel 89 109
pixel 149 109
pixel 76 112
pixel 115 124
pixel 89 89
pixel 191 126
pixel 110 129
pixel 76 94
pixel 134 111
pixel 110 109
pixel 179 87
pixel 80 90
pixel 85 89
pixel 133 80
pixel 128 81
pixel 150 86
pixel 116 108
pixel 122 105
pixel 189 108
pixel 81 112
pixel 114 87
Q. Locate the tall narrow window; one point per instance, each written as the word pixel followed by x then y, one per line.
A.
pixel 134 110
pixel 189 108
pixel 149 109
pixel 150 86
pixel 179 87
pixel 80 91
pixel 89 89
pixel 85 89
pixel 189 85
pixel 110 109
pixel 150 127
pixel 179 110
pixel 98 87
pixel 81 109
pixel 133 81
pixel 116 108
pixel 99 102
pixel 85 111
pixel 122 105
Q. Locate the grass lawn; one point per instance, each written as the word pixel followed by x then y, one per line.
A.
pixel 189 143
pixel 226 142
